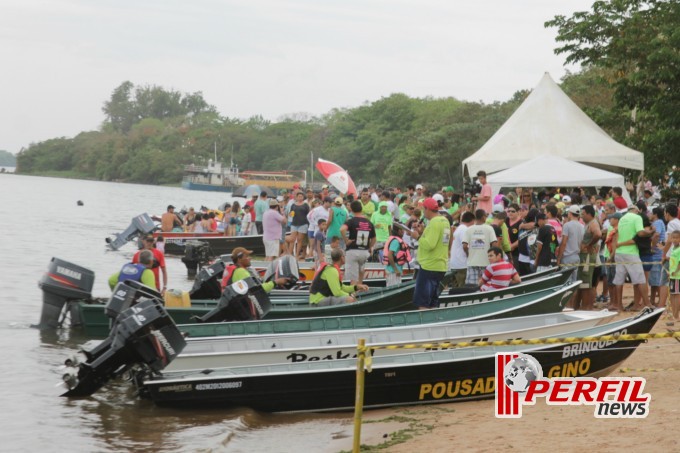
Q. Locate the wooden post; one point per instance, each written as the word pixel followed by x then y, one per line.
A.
pixel 359 397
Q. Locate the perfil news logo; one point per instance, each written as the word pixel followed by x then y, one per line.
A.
pixel 519 381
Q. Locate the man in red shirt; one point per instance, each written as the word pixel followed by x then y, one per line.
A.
pixel 499 274
pixel 159 262
pixel 619 201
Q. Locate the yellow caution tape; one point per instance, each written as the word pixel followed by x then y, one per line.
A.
pixel 532 341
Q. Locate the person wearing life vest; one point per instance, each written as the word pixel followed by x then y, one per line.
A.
pixel 327 288
pixel 395 256
pixel 239 270
pixel 139 272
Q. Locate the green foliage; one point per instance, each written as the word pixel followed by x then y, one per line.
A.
pixel 393 141
pixel 636 46
pixel 7 159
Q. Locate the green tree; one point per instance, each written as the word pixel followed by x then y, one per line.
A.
pixel 638 43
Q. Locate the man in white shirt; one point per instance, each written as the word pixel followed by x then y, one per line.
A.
pixel 458 258
pixel 479 238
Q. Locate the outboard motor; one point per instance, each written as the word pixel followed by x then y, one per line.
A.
pixel 63 282
pixel 126 294
pixel 208 283
pixel 196 255
pixel 244 300
pixel 285 266
pixel 141 225
pixel 143 334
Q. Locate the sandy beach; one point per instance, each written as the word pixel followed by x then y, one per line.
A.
pixel 471 426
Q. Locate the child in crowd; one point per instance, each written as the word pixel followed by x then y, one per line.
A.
pixel 319 241
pixel 335 244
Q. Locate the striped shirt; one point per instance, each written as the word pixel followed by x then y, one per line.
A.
pixel 497 276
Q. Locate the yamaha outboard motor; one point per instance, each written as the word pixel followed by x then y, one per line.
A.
pixel 244 300
pixel 208 283
pixel 196 255
pixel 285 266
pixel 63 283
pixel 144 334
pixel 141 225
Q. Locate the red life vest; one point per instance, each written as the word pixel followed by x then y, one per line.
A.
pixel 403 256
pixel 227 275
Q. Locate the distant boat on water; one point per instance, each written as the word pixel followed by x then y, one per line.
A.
pixel 215 177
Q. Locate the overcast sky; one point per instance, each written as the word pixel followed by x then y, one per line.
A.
pixel 61 59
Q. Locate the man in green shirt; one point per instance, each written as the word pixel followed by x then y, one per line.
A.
pixel 240 270
pixel 382 221
pixel 367 206
pixel 139 272
pixel 327 288
pixel 433 255
pixel 627 255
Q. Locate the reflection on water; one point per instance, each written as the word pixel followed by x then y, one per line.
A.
pixel 34 416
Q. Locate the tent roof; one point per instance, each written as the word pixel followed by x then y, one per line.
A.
pixel 548 122
pixel 554 171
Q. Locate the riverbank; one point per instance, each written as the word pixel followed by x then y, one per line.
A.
pixel 472 426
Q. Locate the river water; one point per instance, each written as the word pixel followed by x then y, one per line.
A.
pixel 42 220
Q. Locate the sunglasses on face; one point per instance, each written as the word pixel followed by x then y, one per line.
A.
pixel 511 210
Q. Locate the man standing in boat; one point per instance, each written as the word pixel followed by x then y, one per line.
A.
pixel 327 288
pixel 433 255
pixel 158 262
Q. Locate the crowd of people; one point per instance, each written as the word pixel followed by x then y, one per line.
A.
pixel 484 241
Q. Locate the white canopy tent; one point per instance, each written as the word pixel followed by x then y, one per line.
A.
pixel 554 171
pixel 548 122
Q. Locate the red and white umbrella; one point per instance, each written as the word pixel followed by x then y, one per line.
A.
pixel 337 176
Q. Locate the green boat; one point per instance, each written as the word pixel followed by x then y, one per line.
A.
pixel 544 301
pixel 96 323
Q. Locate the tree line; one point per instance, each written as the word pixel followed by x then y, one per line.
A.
pixel 629 85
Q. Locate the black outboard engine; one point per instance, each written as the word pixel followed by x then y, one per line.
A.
pixel 244 300
pixel 143 334
pixel 196 255
pixel 63 283
pixel 285 266
pixel 208 283
pixel 127 294
pixel 141 225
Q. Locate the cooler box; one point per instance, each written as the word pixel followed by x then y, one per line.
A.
pixel 176 298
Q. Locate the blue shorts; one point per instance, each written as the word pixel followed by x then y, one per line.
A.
pixel 310 234
pixel 647 259
pixel 426 292
pixel 659 274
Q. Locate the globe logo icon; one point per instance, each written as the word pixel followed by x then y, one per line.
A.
pixel 520 372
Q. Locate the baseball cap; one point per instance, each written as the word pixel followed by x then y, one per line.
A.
pixel 574 209
pixel 448 189
pixel 616 215
pixel 325 186
pixel 438 197
pixel 497 208
pixel 283 191
pixel 171 206
pixel 431 204
pixel 238 252
pixel 566 199
pixel 419 186
pixel 338 201
pixel 273 202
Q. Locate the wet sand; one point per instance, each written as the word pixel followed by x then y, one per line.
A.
pixel 471 426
